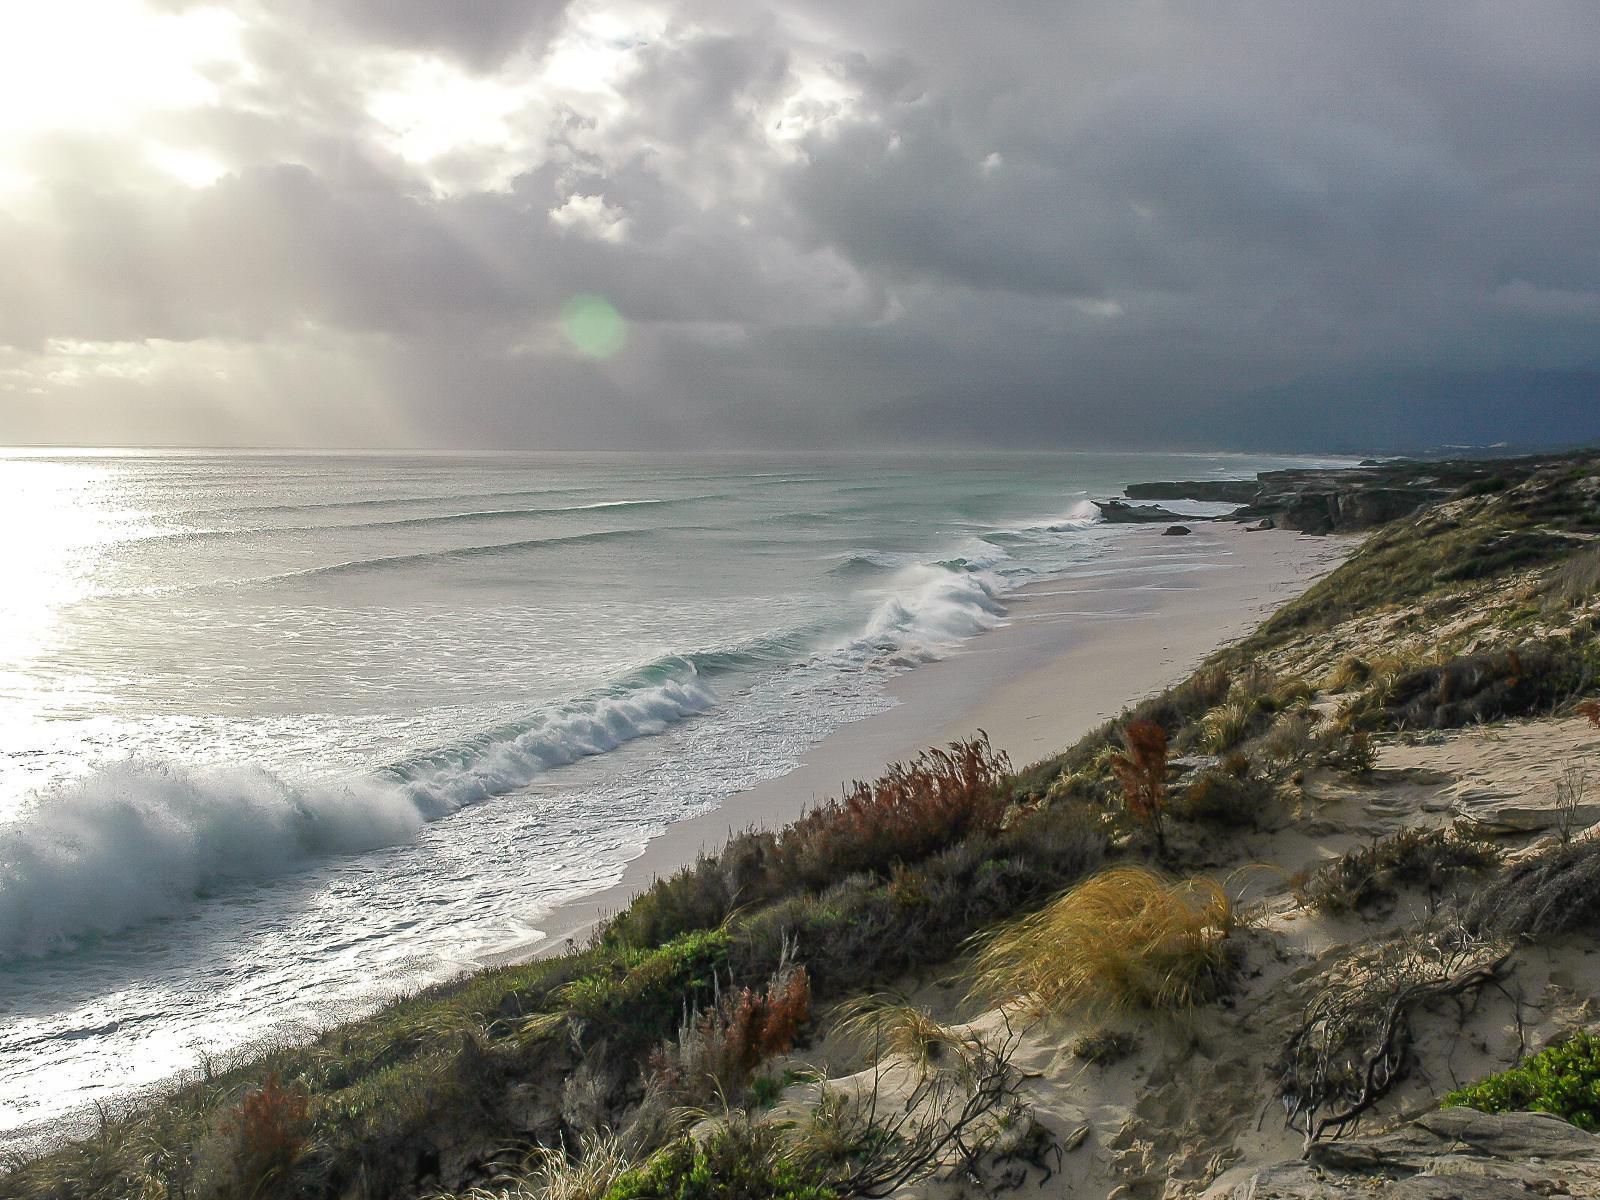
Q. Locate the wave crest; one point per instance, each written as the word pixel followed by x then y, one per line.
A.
pixel 138 840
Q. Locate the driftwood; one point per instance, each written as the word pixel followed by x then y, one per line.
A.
pixel 1354 1039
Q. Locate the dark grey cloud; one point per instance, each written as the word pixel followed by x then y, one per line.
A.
pixel 1029 223
pixel 482 33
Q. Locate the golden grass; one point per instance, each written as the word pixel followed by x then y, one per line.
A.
pixel 1127 939
pixel 891 1026
pixel 551 1174
pixel 1225 726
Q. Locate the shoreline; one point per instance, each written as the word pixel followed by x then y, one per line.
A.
pixel 1070 654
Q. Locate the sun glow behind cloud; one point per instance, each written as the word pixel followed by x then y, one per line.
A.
pixel 105 67
pixel 431 111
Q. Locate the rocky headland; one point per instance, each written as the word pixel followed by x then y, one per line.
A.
pixel 1338 500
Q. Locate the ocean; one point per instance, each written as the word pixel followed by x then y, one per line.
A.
pixel 285 735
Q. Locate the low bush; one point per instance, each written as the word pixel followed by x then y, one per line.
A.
pixel 1224 799
pixel 1141 772
pixel 1350 751
pixel 719 1048
pixel 1575 582
pixel 1516 681
pixel 635 998
pixel 1430 858
pixel 1563 1080
pixel 864 931
pixel 913 810
pixel 1126 939
pixel 1174 710
pixel 1105 1048
pixel 1290 742
pixel 269 1135
pixel 1552 893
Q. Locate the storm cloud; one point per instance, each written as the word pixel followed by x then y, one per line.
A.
pixel 1356 226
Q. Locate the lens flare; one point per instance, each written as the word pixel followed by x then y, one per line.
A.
pixel 594 326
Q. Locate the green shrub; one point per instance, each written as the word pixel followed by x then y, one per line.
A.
pixel 637 998
pixel 1563 1080
pixel 741 1160
pixel 863 931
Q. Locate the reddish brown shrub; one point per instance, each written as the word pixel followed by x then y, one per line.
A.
pixel 270 1127
pixel 719 1048
pixel 1141 770
pixel 1591 709
pixel 913 810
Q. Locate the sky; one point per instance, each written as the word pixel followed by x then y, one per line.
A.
pixel 796 224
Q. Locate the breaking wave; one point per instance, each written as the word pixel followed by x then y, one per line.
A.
pixel 138 840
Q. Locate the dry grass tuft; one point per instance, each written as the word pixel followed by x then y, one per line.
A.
pixel 1435 859
pixel 550 1173
pixel 1127 939
pixel 891 1026
pixel 1226 725
pixel 1105 1047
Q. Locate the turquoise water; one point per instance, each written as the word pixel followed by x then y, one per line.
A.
pixel 284 735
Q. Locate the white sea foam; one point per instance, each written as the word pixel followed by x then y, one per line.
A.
pixel 928 612
pixel 506 759
pixel 1081 515
pixel 137 840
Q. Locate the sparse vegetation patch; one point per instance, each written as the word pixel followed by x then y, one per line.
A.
pixel 1434 859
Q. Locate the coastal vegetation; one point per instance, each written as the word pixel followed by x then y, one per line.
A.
pixel 1563 1080
pixel 1125 940
pixel 664 1058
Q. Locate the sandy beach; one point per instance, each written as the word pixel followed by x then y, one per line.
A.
pixel 1071 653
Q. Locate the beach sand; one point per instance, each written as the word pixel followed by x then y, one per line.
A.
pixel 1070 654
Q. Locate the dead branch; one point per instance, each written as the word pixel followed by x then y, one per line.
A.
pixel 1355 1036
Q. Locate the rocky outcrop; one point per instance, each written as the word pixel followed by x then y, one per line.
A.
pixel 1350 499
pixel 1451 1154
pixel 1343 509
pixel 1121 512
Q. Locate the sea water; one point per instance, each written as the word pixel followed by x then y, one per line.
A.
pixel 285 735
